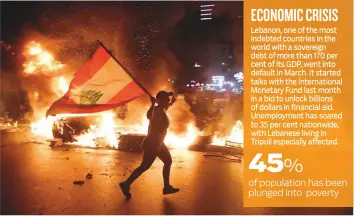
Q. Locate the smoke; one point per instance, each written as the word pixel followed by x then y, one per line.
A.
pixel 180 116
pixel 233 111
pixel 9 92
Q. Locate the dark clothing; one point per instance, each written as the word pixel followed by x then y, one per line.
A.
pixel 148 159
pixel 157 131
pixel 153 146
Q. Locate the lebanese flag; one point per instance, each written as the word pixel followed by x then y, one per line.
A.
pixel 100 84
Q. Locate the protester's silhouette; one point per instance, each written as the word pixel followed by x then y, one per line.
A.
pixel 153 145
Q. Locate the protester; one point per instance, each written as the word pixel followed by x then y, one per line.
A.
pixel 153 145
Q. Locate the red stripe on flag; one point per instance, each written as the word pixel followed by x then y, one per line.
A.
pixel 89 69
pixel 129 91
pixel 60 108
pixel 67 106
pixel 82 75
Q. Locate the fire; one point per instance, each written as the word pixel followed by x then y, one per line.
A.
pixel 40 60
pixel 35 95
pixel 182 140
pixel 8 125
pixel 106 131
pixel 235 137
pixel 101 133
pixel 107 128
pixel 61 85
pixel 218 141
pixel 43 127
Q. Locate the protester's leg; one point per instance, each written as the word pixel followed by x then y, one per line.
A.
pixel 148 160
pixel 166 158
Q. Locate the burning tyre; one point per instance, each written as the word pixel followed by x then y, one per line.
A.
pixel 68 128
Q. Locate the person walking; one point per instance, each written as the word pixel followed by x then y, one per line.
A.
pixel 153 145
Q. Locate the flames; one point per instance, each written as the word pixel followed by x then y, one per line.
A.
pixel 106 131
pixel 40 60
pixel 43 127
pixel 182 140
pixel 5 126
pixel 101 133
pixel 61 85
pixel 107 128
pixel 235 137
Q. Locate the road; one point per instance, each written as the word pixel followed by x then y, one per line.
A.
pixel 38 179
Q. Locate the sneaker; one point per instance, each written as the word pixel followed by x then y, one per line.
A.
pixel 125 189
pixel 170 190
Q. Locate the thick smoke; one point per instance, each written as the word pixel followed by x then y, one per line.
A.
pixel 181 116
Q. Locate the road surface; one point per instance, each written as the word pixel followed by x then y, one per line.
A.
pixel 38 179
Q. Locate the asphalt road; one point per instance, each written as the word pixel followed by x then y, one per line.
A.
pixel 38 179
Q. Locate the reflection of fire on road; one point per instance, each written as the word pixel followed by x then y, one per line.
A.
pixel 104 128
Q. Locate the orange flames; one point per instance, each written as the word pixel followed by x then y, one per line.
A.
pixel 100 134
pixel 61 85
pixel 43 127
pixel 106 131
pixel 235 137
pixel 40 60
pixel 8 126
pixel 108 128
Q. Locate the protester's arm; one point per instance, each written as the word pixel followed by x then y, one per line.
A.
pixel 151 110
pixel 172 101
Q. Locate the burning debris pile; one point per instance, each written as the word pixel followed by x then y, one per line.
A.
pixel 105 128
pixel 7 126
pixel 235 138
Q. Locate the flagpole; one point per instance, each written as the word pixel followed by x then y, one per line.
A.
pixel 141 86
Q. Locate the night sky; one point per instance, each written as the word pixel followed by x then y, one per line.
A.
pixel 13 16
